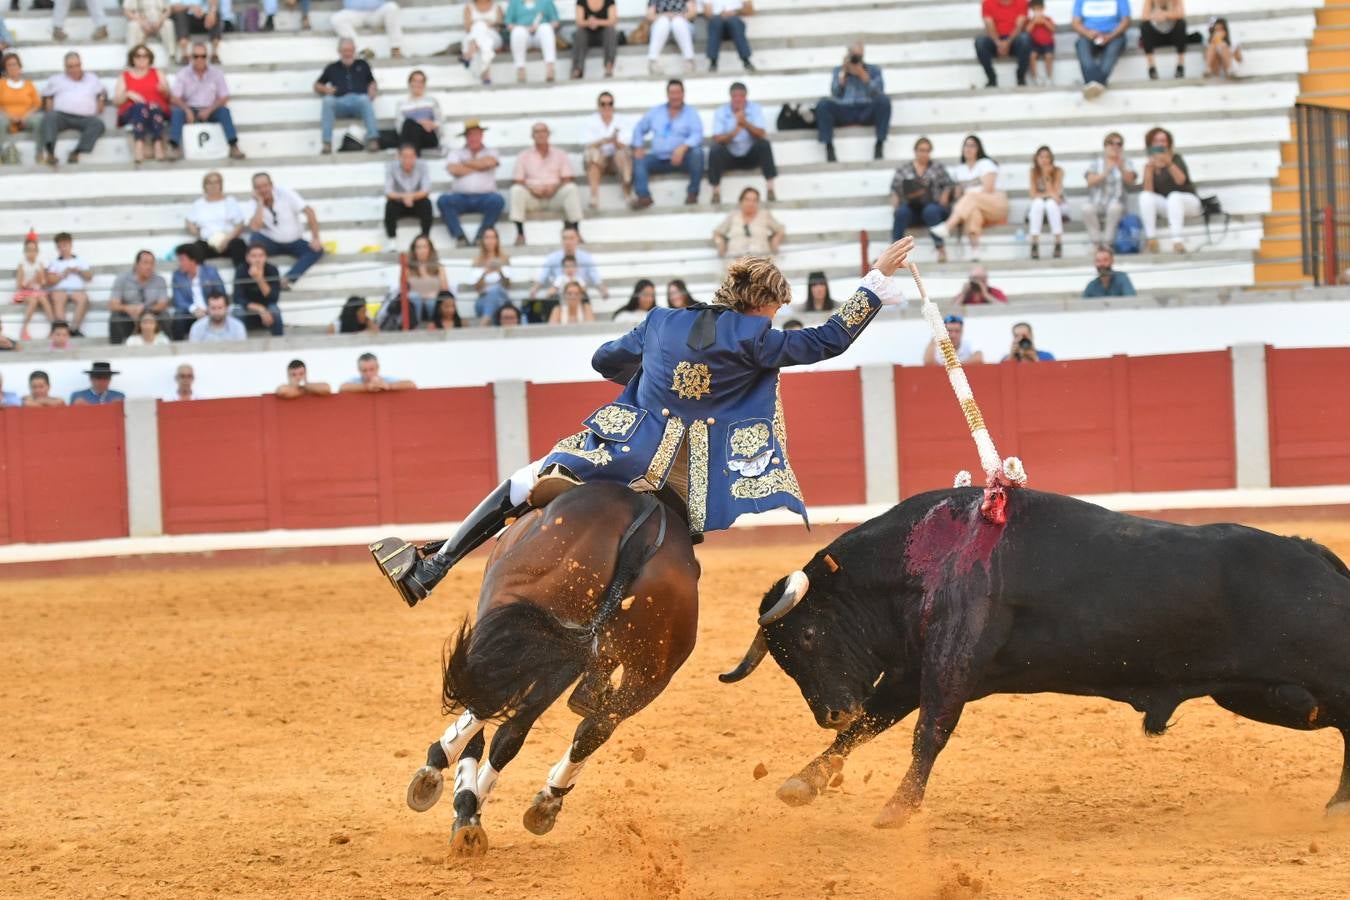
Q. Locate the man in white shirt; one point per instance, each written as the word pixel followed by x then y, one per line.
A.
pixel 73 100
pixel 606 151
pixel 587 271
pixel 217 325
pixel 474 189
pixel 183 380
pixel 278 222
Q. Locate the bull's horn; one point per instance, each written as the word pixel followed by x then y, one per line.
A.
pixel 758 647
pixel 793 593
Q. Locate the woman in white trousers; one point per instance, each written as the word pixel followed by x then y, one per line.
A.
pixel 532 24
pixel 671 18
pixel 1167 186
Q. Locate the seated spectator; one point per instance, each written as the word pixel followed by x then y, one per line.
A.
pixel 1109 282
pixel 793 325
pixel 671 18
pixel 726 18
pixel 217 222
pixel 198 17
pixel 818 297
pixel 74 102
pixel 40 391
pixel 483 25
pixel 61 8
pixel 384 14
pixel 8 398
pixel 554 289
pixel 148 333
pixel 354 318
pixel 740 141
pixel 965 351
pixel 100 390
pixel 1005 34
pixel 474 189
pixel 1024 346
pixel 639 304
pixel 677 145
pixel 491 277
pixel 1163 24
pixel 543 180
pixel 201 94
pixel 427 279
pixel 921 191
pixel 1223 55
pixel 20 109
pixel 142 103
pixel 1041 28
pixel 978 290
pixel 1047 201
pixel 857 97
pixel 278 223
pixel 184 379
pixel 148 19
pixel 193 283
pixel 30 286
pixel 1100 26
pixel 597 26
pixel 257 293
pixel 418 115
pixel 532 23
pixel 506 317
pixel 407 193
pixel 979 199
pixel 1107 177
pixel 6 39
pixel 1167 186
pixel 588 273
pixel 574 306
pixel 298 384
pixel 605 151
pixel 217 325
pixel 677 294
pixel 68 279
pixel 749 231
pixel 136 293
pixel 369 379
pixel 348 89
pixel 60 335
pixel 445 316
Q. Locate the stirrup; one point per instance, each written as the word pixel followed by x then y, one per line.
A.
pixel 396 559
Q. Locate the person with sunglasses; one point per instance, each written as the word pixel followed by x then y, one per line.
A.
pixel 1107 177
pixel 749 231
pixel 142 104
pixel 200 94
pixel 278 225
pixel 606 151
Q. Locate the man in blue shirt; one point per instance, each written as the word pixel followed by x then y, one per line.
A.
pixel 740 141
pixel 99 391
pixel 857 97
pixel 1109 282
pixel 677 145
pixel 1101 27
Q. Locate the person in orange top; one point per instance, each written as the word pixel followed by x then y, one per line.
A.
pixel 20 107
pixel 142 100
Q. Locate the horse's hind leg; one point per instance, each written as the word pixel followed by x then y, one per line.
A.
pixel 1339 805
pixel 467 837
pixel 427 782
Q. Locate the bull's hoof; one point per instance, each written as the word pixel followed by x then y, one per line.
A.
pixel 543 812
pixel 425 788
pixel 797 792
pixel 1339 809
pixel 468 839
pixel 893 815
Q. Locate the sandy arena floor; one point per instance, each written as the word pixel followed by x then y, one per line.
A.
pixel 230 734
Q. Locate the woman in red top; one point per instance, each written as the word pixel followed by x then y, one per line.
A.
pixel 142 100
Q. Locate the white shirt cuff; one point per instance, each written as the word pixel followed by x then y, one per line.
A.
pixel 886 289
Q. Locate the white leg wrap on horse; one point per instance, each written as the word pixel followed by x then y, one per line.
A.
pixel 458 735
pixel 563 775
pixel 522 481
pixel 487 779
pixel 466 776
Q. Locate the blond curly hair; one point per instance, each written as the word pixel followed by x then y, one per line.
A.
pixel 751 283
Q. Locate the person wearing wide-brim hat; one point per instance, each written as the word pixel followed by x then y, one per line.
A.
pixel 474 189
pixel 100 389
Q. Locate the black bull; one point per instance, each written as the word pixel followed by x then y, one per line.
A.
pixel 929 606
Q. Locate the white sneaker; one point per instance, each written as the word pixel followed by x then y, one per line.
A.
pixel 939 231
pixel 1093 89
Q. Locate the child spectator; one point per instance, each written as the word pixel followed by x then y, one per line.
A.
pixel 60 335
pixel 1222 55
pixel 30 286
pixel 147 332
pixel 567 276
pixel 1042 30
pixel 68 277
pixel 40 391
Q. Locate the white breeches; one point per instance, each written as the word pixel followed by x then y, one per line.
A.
pixel 664 28
pixel 1178 206
pixel 1042 209
pixel 522 41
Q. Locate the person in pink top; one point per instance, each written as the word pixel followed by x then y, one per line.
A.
pixel 543 180
pixel 142 99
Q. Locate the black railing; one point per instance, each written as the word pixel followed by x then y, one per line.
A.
pixel 1324 190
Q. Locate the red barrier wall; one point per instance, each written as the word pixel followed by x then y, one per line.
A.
pixel 63 474
pixel 356 459
pixel 1309 416
pixel 1157 423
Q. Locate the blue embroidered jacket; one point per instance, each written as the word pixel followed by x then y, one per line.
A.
pixel 708 376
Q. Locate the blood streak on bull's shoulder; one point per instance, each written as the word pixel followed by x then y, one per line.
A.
pixel 945 545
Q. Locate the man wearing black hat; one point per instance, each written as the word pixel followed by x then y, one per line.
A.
pixel 100 387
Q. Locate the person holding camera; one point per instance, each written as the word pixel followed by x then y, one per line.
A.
pixel 978 290
pixel 1167 186
pixel 857 97
pixel 921 191
pixel 1024 346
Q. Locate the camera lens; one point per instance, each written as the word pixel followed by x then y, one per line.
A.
pixel 1025 343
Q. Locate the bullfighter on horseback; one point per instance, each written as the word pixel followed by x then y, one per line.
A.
pixel 700 413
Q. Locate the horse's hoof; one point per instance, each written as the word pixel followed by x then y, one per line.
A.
pixel 1339 810
pixel 543 813
pixel 893 815
pixel 425 788
pixel 797 792
pixel 468 839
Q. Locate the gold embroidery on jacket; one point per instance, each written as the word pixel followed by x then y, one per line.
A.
pixel 692 380
pixel 664 455
pixel 856 310
pixel 614 419
pixel 750 440
pixel 698 474
pixel 575 445
pixel 774 482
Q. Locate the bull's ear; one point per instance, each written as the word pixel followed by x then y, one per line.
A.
pixel 758 647
pixel 793 593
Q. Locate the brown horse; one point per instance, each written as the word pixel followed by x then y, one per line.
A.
pixel 600 586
